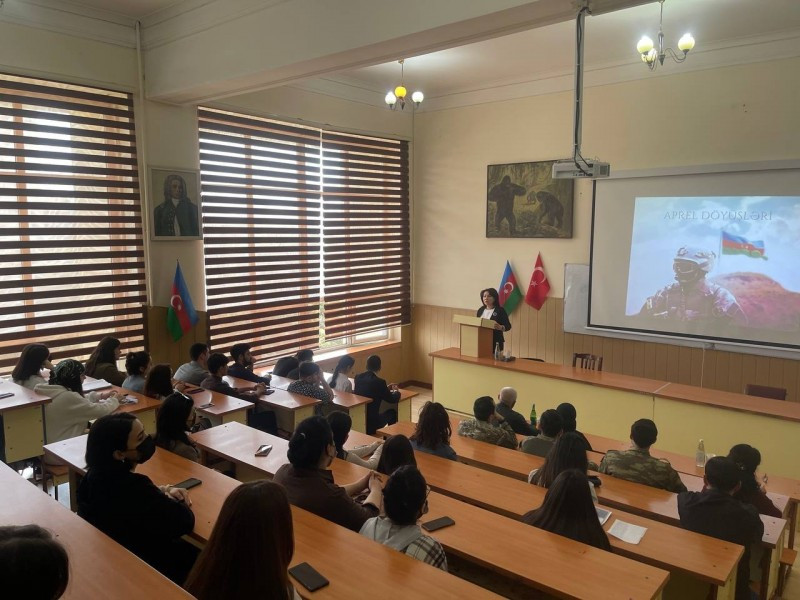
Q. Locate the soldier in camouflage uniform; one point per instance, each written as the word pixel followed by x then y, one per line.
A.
pixel 637 465
pixel 488 426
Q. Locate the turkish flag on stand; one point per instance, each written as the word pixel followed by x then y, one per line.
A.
pixel 539 286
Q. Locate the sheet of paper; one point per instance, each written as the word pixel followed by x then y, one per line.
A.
pixel 627 532
pixel 602 514
pixel 94 385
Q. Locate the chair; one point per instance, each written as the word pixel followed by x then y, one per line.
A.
pixel 587 361
pixel 764 391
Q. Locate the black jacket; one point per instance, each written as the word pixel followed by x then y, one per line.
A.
pixel 285 365
pixel 498 316
pixel 720 515
pixel 368 384
pixel 515 420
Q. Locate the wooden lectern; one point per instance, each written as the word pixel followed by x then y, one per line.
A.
pixel 476 336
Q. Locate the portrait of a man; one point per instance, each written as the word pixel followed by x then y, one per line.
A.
pixel 175 212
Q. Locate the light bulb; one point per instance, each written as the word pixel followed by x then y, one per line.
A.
pixel 417 97
pixel 645 45
pixel 390 99
pixel 686 43
pixel 400 91
pixel 650 57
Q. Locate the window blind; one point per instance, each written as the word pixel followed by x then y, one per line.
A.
pixel 367 270
pixel 261 185
pixel 71 250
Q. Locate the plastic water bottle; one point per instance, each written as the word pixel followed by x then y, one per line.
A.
pixel 497 351
pixel 700 456
pixel 533 415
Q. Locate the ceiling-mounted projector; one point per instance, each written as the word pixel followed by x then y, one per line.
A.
pixel 570 169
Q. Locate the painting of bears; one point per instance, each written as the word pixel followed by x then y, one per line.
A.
pixel 524 201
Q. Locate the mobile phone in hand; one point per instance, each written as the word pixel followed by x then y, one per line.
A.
pixel 308 577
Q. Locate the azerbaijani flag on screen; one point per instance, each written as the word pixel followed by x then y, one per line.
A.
pixel 736 244
pixel 509 292
pixel 181 315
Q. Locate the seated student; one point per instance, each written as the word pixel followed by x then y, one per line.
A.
pixel 128 507
pixel 251 546
pixel 716 512
pixel 70 411
pixel 566 453
pixel 102 362
pixel 301 356
pixel 196 370
pixel 159 383
pixel 340 380
pixel 242 366
pixel 341 423
pixel 218 367
pixel 137 365
pixel 550 428
pixel 637 465
pixel 488 426
pixel 368 384
pixel 568 511
pixel 405 500
pixel 175 417
pixel 33 564
pixel 28 371
pixel 313 385
pixel 309 482
pixel 285 365
pixel 397 452
pixel 506 400
pixel 569 421
pixel 433 431
pixel 747 460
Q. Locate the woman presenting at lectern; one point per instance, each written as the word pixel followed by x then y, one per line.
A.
pixel 491 309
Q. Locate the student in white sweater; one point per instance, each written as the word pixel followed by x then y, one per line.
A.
pixel 70 411
pixel 341 423
pixel 340 380
pixel 28 372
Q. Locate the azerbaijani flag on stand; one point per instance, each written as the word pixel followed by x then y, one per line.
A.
pixel 509 292
pixel 181 315
pixel 736 244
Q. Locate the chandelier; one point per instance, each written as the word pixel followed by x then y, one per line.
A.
pixel 655 56
pixel 398 96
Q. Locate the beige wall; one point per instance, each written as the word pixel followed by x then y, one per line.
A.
pixel 734 114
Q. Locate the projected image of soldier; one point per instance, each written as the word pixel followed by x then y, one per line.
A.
pixel 693 298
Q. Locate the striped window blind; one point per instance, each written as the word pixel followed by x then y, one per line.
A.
pixel 306 233
pixel 71 252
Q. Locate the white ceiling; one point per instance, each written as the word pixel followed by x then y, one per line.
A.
pixel 610 42
pixel 133 9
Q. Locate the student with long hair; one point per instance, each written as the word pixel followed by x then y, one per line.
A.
pixel 309 482
pixel 102 363
pixel 568 510
pixel 569 421
pixel 175 417
pixel 433 431
pixel 747 460
pixel 33 564
pixel 568 452
pixel 250 548
pixel 28 371
pixel 128 507
pixel 397 452
pixel 340 380
pixel 136 364
pixel 69 412
pixel 341 423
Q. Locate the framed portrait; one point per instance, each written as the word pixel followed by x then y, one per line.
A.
pixel 174 211
pixel 524 201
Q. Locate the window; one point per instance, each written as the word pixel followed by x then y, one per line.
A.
pixel 306 233
pixel 71 253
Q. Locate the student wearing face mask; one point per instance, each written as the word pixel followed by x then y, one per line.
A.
pixel 146 519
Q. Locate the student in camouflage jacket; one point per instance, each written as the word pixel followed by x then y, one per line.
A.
pixel 488 426
pixel 637 465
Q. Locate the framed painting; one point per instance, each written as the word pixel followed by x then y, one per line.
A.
pixel 524 201
pixel 174 210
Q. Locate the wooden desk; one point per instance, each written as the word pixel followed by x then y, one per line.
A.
pixel 290 409
pixel 279 383
pixel 520 558
pixel 23 421
pixel 350 561
pixel 610 402
pixel 226 409
pixel 403 407
pixel 97 564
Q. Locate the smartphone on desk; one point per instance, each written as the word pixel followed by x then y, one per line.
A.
pixel 194 391
pixel 308 577
pixel 206 405
pixel 188 483
pixel 6 395
pixel 269 391
pixel 263 450
pixel 438 523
